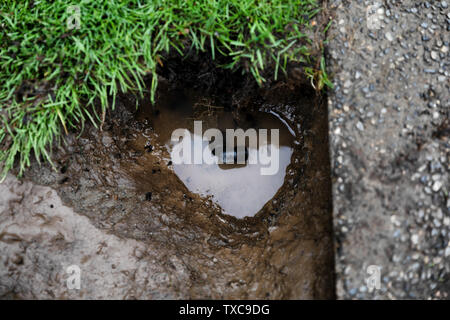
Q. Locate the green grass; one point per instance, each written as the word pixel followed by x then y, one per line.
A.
pixel 53 79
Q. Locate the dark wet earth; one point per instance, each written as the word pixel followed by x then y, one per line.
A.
pixel 123 180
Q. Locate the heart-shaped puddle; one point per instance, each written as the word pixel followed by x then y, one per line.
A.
pixel 241 190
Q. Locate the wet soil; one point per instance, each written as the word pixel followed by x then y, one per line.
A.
pixel 123 180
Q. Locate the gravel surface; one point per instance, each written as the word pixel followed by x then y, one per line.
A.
pixel 390 149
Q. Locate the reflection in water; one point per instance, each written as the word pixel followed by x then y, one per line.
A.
pixel 240 190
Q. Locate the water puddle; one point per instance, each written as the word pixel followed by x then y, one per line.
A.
pixel 240 189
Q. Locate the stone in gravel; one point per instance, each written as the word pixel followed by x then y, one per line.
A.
pixel 447 221
pixel 360 126
pixel 348 83
pixel 424 179
pixel 389 36
pixel 436 177
pixel 437 260
pixel 434 55
pixel 437 186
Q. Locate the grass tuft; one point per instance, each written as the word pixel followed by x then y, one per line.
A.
pixel 53 78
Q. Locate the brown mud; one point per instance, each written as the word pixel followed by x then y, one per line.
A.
pixel 122 179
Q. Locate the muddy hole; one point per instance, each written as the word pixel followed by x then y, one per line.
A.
pixel 248 175
pixel 219 230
